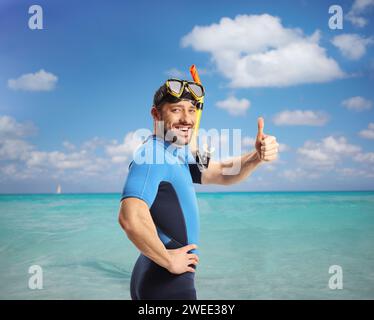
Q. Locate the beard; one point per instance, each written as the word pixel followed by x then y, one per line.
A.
pixel 174 135
pixel 177 133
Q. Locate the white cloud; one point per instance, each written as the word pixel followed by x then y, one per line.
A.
pixel 300 118
pixel 283 147
pixel 365 157
pixel 205 71
pixel 339 145
pixel 93 144
pixel 84 160
pixel 258 51
pixel 9 128
pixel 250 142
pixel 58 160
pixel 271 166
pixel 352 46
pixel 175 73
pixel 357 103
pixel 16 172
pixel 14 149
pixel 327 152
pixel 298 173
pixel 357 20
pixel 33 163
pixel 315 155
pixel 20 160
pixel 347 171
pixel 234 106
pixel 9 169
pixel 38 81
pixel 359 7
pixel 69 146
pixel 292 175
pixel 355 172
pixel 120 153
pixel 369 132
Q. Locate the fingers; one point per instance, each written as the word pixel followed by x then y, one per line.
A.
pixel 271 146
pixel 271 158
pixel 268 140
pixel 193 261
pixel 269 143
pixel 182 260
pixel 270 154
pixel 193 257
pixel 267 151
pixel 189 247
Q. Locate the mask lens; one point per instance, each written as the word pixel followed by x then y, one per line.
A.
pixel 197 90
pixel 175 86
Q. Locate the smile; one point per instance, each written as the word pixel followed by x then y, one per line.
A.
pixel 183 129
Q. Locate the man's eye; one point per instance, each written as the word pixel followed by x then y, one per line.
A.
pixel 175 110
pixel 192 111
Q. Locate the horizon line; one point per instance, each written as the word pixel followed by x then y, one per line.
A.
pixel 197 192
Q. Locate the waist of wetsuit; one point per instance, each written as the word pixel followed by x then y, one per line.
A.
pixel 147 263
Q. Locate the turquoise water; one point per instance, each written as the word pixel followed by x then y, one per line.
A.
pixel 268 245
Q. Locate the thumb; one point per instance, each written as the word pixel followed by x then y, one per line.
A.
pixel 260 124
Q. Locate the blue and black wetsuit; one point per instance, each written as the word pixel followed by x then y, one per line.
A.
pixel 162 175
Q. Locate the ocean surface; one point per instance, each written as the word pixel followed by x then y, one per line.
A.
pixel 264 245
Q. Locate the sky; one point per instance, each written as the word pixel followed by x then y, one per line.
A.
pixel 73 94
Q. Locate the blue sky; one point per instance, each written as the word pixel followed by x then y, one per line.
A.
pixel 72 94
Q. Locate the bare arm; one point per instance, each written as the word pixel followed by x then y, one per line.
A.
pixel 231 171
pixel 237 169
pixel 136 220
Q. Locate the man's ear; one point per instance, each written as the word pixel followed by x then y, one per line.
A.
pixel 155 114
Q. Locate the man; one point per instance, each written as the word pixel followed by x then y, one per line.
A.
pixel 158 208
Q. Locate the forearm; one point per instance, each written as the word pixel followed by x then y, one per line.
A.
pixel 239 168
pixel 141 230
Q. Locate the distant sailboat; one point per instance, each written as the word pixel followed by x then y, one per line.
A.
pixel 58 191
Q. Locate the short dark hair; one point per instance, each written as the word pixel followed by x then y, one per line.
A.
pixel 162 96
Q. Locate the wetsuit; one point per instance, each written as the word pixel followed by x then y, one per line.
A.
pixel 162 175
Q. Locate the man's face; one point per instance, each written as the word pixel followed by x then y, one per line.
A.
pixel 179 120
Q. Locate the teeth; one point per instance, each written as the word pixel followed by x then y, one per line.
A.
pixel 183 129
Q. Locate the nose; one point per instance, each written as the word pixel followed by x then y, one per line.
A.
pixel 187 118
pixel 183 116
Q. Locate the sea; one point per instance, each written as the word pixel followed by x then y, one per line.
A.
pixel 253 245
